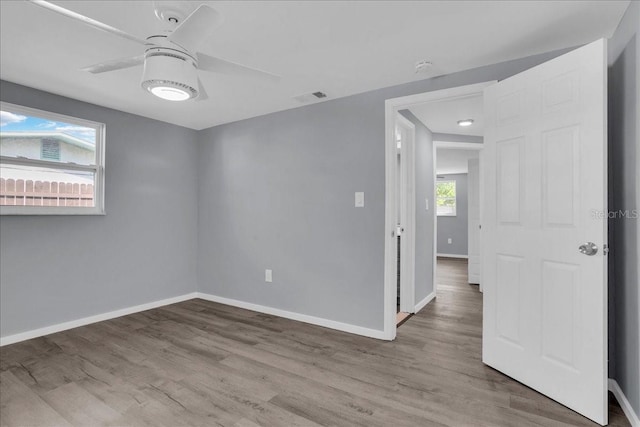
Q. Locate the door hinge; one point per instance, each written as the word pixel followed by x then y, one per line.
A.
pixel 605 249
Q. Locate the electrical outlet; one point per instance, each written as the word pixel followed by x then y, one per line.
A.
pixel 268 276
pixel 449 240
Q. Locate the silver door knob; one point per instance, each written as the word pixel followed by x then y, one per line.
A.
pixel 588 248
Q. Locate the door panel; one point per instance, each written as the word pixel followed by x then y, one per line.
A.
pixel 559 298
pixel 510 156
pixel 509 298
pixel 545 174
pixel 560 149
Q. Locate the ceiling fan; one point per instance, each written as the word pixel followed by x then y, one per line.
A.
pixel 171 60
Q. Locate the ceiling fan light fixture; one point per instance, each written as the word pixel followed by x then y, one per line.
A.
pixel 170 77
pixel 170 93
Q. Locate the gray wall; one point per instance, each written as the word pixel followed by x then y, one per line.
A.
pixel 624 321
pixel 455 137
pixel 277 192
pixel 61 268
pixel 424 218
pixel 455 227
pixel 273 192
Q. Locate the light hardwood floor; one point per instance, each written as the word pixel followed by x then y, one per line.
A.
pixel 204 364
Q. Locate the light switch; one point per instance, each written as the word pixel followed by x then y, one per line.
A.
pixel 426 204
pixel 268 276
pixel 359 199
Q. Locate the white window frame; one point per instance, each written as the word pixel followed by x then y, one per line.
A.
pixel 97 168
pixel 455 198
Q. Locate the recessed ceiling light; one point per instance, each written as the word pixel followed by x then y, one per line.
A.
pixel 465 122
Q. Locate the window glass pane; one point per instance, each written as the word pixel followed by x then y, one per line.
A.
pixel 42 139
pixel 38 186
pixel 446 198
pixel 447 202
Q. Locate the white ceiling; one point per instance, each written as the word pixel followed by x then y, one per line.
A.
pixel 450 161
pixel 340 48
pixel 443 116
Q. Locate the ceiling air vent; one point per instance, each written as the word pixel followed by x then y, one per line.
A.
pixel 310 97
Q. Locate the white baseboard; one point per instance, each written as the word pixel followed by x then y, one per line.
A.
pixel 332 324
pixel 35 333
pixel 427 300
pixel 319 321
pixel 453 256
pixel 614 387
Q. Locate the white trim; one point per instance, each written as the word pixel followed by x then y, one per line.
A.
pixel 35 333
pixel 405 122
pixel 434 261
pixel 614 388
pixel 392 106
pixel 42 114
pixel 391 209
pixel 17 210
pixel 454 256
pixel 319 321
pixel 407 215
pixel 332 324
pixel 425 301
pixel 47 163
pixel 481 203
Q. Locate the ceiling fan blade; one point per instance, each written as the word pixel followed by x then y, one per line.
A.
pixel 219 65
pixel 202 94
pixel 194 30
pixel 86 20
pixel 116 64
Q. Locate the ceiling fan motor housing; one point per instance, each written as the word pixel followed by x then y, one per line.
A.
pixel 167 68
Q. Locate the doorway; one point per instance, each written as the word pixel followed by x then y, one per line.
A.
pixel 424 240
pixel 458 198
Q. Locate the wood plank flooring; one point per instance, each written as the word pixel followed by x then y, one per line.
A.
pixel 199 363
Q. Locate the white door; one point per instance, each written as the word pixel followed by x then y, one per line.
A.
pixel 473 203
pixel 405 134
pixel 545 311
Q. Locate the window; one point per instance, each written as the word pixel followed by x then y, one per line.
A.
pixel 50 164
pixel 446 198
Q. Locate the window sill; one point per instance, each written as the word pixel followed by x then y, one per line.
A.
pixel 56 211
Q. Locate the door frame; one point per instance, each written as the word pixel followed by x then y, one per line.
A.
pixel 407 216
pixel 392 107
